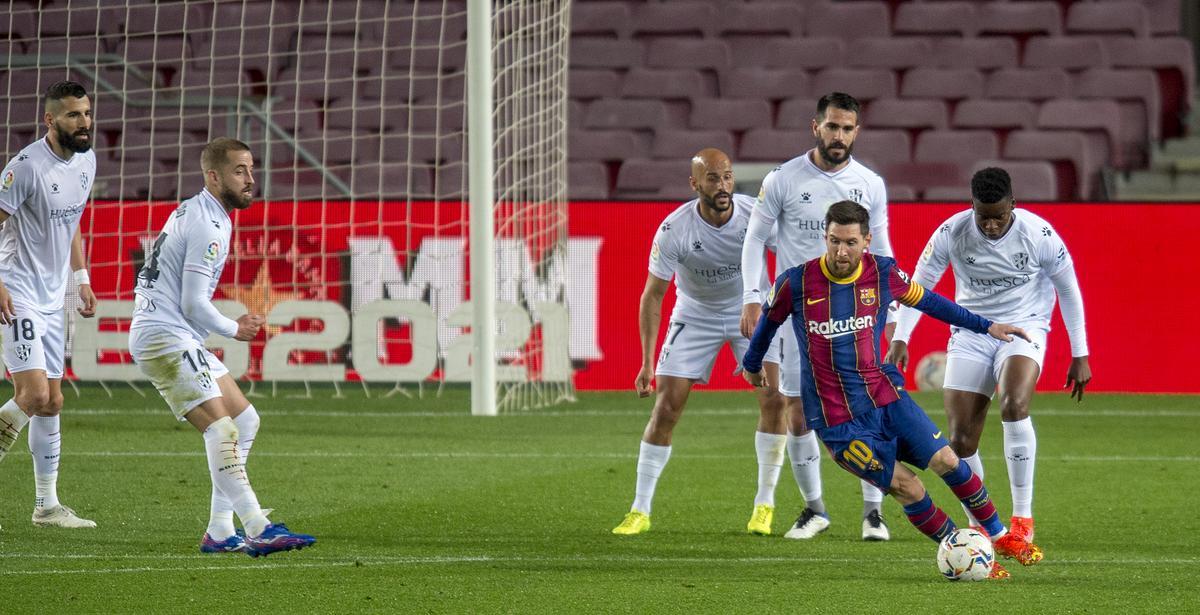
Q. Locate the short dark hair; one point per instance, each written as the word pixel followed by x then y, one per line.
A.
pixel 839 100
pixel 216 153
pixel 849 212
pixel 991 185
pixel 63 89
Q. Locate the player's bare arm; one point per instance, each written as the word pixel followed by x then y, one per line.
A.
pixel 79 266
pixel 1004 332
pixel 649 319
pixel 1079 374
pixel 897 354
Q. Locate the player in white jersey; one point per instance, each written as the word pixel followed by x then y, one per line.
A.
pixel 793 202
pixel 1009 265
pixel 700 246
pixel 172 317
pixel 43 191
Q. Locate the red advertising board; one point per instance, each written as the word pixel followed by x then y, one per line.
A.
pixel 1131 270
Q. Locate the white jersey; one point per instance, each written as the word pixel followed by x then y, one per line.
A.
pixel 794 199
pixel 44 197
pixel 195 238
pixel 704 260
pixel 1013 279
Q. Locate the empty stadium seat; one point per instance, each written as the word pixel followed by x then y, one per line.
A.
pixel 863 83
pixel 900 193
pixel 761 18
pixel 764 83
pixel 587 181
pixel 848 20
pixel 1165 16
pixel 959 147
pixel 981 53
pixel 730 113
pixel 947 194
pixel 1172 58
pixel 653 179
pixel 887 52
pixel 687 53
pixel 1099 119
pixel 1020 18
pixel 947 83
pixel 812 52
pixel 1028 84
pixel 666 83
pixel 587 83
pixel 670 144
pixel 600 18
pixel 619 113
pixel 935 18
pixel 912 114
pixel 1079 173
pixel 881 148
pixel 769 145
pixel 921 176
pixel 797 113
pixel 1136 91
pixel 607 144
pixel 1032 180
pixel 685 17
pixel 605 53
pixel 1066 52
pixel 995 114
pixel 1108 17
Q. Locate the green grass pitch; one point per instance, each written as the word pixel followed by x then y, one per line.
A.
pixel 419 507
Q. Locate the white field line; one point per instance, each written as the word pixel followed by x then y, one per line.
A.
pixel 1082 411
pixel 599 455
pixel 302 561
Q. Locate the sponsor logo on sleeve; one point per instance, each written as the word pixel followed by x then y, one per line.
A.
pixel 214 248
pixel 9 178
pixel 655 254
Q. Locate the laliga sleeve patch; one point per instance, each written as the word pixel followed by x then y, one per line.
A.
pixel 213 250
pixel 654 252
pixel 9 178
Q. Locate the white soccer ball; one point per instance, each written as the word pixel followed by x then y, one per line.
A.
pixel 931 371
pixel 965 555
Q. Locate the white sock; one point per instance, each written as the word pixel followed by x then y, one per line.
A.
pixel 975 462
pixel 45 444
pixel 1020 451
pixel 651 461
pixel 12 421
pixel 769 448
pixel 805 454
pixel 872 498
pixel 229 474
pixel 220 518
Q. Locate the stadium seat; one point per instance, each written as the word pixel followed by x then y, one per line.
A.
pixel 421 149
pixel 163 56
pixel 865 84
pixel 1076 165
pixel 81 19
pixel 1108 17
pixel 1065 52
pixel 687 53
pixel 730 113
pixel 1136 91
pixel 666 83
pixel 620 113
pixel 995 114
pixel 761 18
pixel 900 193
pixel 22 28
pixel 911 114
pixel 165 18
pixel 389 181
pixel 1172 58
pixel 811 52
pixel 600 19
pixel 607 144
pixel 589 52
pixel 948 194
pixel 767 145
pixel 921 176
pixel 589 83
pixel 947 83
pixel 797 113
pixel 1165 16
pixel 671 144
pixel 1028 84
pixel 1099 119
pixel 682 18
pixel 575 112
pixel 935 18
pixel 1020 18
pixel 887 52
pixel 587 181
pixel 422 22
pixel 958 147
pixel 881 148
pixel 848 20
pixel 639 178
pixel 764 83
pixel 981 53
pixel 1032 180
pixel 347 116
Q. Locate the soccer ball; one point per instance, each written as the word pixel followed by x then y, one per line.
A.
pixel 965 555
pixel 931 371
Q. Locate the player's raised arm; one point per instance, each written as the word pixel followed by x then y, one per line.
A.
pixel 649 320
pixel 914 295
pixel 778 308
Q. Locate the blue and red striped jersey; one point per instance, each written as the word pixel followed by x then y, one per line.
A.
pixel 839 322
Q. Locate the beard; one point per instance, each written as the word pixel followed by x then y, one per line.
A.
pixel 236 200
pixel 834 157
pixel 71 142
pixel 712 203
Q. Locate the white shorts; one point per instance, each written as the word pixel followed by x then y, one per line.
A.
pixel 789 362
pixel 35 340
pixel 691 348
pixel 186 376
pixel 974 360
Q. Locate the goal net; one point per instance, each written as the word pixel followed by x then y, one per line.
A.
pixel 358 252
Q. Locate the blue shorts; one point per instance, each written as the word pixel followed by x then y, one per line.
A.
pixel 870 445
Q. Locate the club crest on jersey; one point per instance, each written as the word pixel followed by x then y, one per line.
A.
pixel 866 296
pixel 1020 260
pixel 23 351
pixel 210 254
pixel 9 178
pixel 204 379
pixel 856 195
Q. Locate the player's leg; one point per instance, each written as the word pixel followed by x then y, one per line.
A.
pixel 803 448
pixel 220 521
pixel 1020 368
pixel 967 393
pixel 770 438
pixel 25 358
